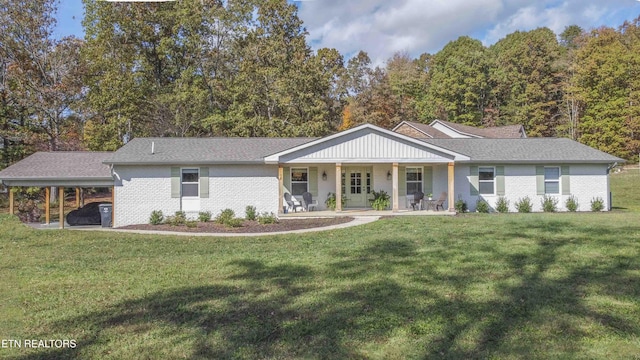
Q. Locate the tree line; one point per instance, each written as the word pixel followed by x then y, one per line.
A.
pixel 244 68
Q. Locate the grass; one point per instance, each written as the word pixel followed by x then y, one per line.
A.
pixel 624 187
pixel 536 285
pixel 501 286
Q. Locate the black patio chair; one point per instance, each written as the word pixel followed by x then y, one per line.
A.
pixel 417 199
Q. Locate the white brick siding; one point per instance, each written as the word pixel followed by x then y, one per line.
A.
pixel 236 186
pixel 141 189
pixel 586 182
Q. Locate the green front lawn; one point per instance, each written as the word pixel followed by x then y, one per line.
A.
pixel 625 187
pixel 500 286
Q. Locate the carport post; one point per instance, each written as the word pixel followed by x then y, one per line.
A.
pixel 47 205
pixel 77 198
pixel 61 201
pixel 10 200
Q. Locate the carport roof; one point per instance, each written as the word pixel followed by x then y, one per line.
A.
pixel 60 168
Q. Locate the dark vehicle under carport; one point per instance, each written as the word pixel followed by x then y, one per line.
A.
pixel 86 215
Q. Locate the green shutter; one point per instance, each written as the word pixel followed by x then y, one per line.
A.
pixel 473 180
pixel 175 182
pixel 313 181
pixel 402 181
pixel 499 180
pixel 564 171
pixel 286 180
pixel 540 180
pixel 204 182
pixel 427 181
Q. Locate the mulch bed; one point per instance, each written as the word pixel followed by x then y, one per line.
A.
pixel 248 226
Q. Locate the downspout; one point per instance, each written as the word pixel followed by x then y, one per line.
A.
pixel 609 168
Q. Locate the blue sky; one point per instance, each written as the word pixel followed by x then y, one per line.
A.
pixel 383 27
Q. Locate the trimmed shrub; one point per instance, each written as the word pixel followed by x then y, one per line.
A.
pixel 549 203
pixel 224 216
pixel 235 222
pixel 250 213
pixel 523 205
pixel 572 204
pixel 502 205
pixel 204 216
pixel 482 206
pixel 191 223
pixel 156 217
pixel 267 218
pixel 180 218
pixel 597 204
pixel 461 206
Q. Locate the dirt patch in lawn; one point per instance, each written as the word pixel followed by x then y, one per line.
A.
pixel 247 226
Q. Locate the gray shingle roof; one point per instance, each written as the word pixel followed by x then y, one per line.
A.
pixel 497 132
pixel 428 129
pixel 176 151
pixel 60 165
pixel 529 150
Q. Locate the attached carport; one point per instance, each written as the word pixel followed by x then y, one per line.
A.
pixel 76 169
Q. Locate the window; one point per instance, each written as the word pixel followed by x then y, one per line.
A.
pixel 486 180
pixel 299 181
pixel 356 183
pixel 190 181
pixel 414 180
pixel 368 182
pixel 552 180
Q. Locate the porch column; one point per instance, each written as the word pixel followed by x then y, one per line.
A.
pixel 10 200
pixel 77 198
pixel 338 186
pixel 47 205
pixel 394 185
pixel 280 188
pixel 61 202
pixel 113 206
pixel 451 190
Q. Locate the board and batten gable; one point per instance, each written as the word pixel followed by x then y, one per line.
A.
pixel 586 182
pixel 366 146
pixel 139 190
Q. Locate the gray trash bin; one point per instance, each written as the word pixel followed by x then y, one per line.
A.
pixel 105 215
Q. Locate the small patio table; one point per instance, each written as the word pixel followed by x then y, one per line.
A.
pixel 429 204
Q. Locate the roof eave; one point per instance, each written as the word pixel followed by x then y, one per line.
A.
pixel 182 163
pixel 538 161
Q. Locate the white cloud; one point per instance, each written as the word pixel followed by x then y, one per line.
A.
pixel 382 27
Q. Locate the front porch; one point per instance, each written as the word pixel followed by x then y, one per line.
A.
pixel 343 171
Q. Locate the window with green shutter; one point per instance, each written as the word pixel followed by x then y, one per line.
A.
pixel 313 181
pixel 473 180
pixel 175 182
pixel 402 182
pixel 427 180
pixel 564 173
pixel 286 180
pixel 204 182
pixel 500 181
